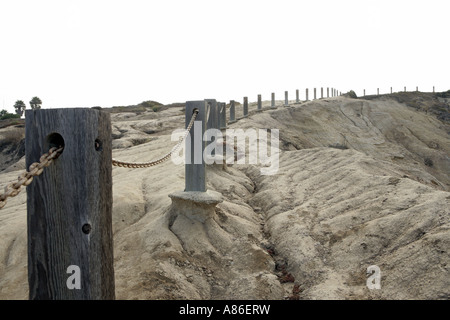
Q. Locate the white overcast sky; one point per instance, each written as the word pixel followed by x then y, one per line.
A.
pixel 112 53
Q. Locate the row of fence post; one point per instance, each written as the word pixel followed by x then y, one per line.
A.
pixel 212 115
pixel 69 207
pixel 217 115
pixel 404 90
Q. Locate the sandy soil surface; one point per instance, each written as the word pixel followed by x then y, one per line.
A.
pixel 360 183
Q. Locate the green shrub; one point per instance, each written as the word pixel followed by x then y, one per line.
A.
pixel 6 115
pixel 352 94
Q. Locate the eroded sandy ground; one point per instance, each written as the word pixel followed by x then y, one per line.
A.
pixel 352 190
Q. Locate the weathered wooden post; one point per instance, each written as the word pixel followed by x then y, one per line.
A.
pixel 286 100
pixel 70 240
pixel 232 111
pixel 315 94
pixel 195 166
pixel 297 96
pixel 245 106
pixel 307 94
pixel 328 92
pixel 259 103
pixel 321 92
pixel 273 100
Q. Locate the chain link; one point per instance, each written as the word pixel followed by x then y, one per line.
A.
pixel 162 159
pixel 35 169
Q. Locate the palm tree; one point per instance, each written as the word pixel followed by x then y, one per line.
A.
pixel 35 103
pixel 20 107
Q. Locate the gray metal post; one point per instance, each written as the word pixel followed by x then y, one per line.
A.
pixel 307 94
pixel 286 101
pixel 378 91
pixel 321 93
pixel 195 167
pixel 259 103
pixel 232 111
pixel 213 115
pixel 297 98
pixel 328 92
pixel 245 106
pixel 223 115
pixel 273 100
pixel 364 94
pixel 314 93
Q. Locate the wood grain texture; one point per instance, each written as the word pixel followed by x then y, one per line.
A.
pixel 75 190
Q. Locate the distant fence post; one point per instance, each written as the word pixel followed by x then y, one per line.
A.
pixel 273 100
pixel 314 93
pixel 364 92
pixel 212 120
pixel 69 207
pixel 286 101
pixel 405 89
pixel 378 91
pixel 245 106
pixel 223 115
pixel 321 92
pixel 328 92
pixel 232 111
pixel 433 89
pixel 297 96
pixel 259 108
pixel 391 90
pixel 195 166
pixel 417 89
pixel 307 94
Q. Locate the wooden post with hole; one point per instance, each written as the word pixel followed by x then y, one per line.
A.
pixel 69 206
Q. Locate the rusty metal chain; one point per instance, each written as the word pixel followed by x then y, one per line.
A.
pixel 35 169
pixel 162 159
